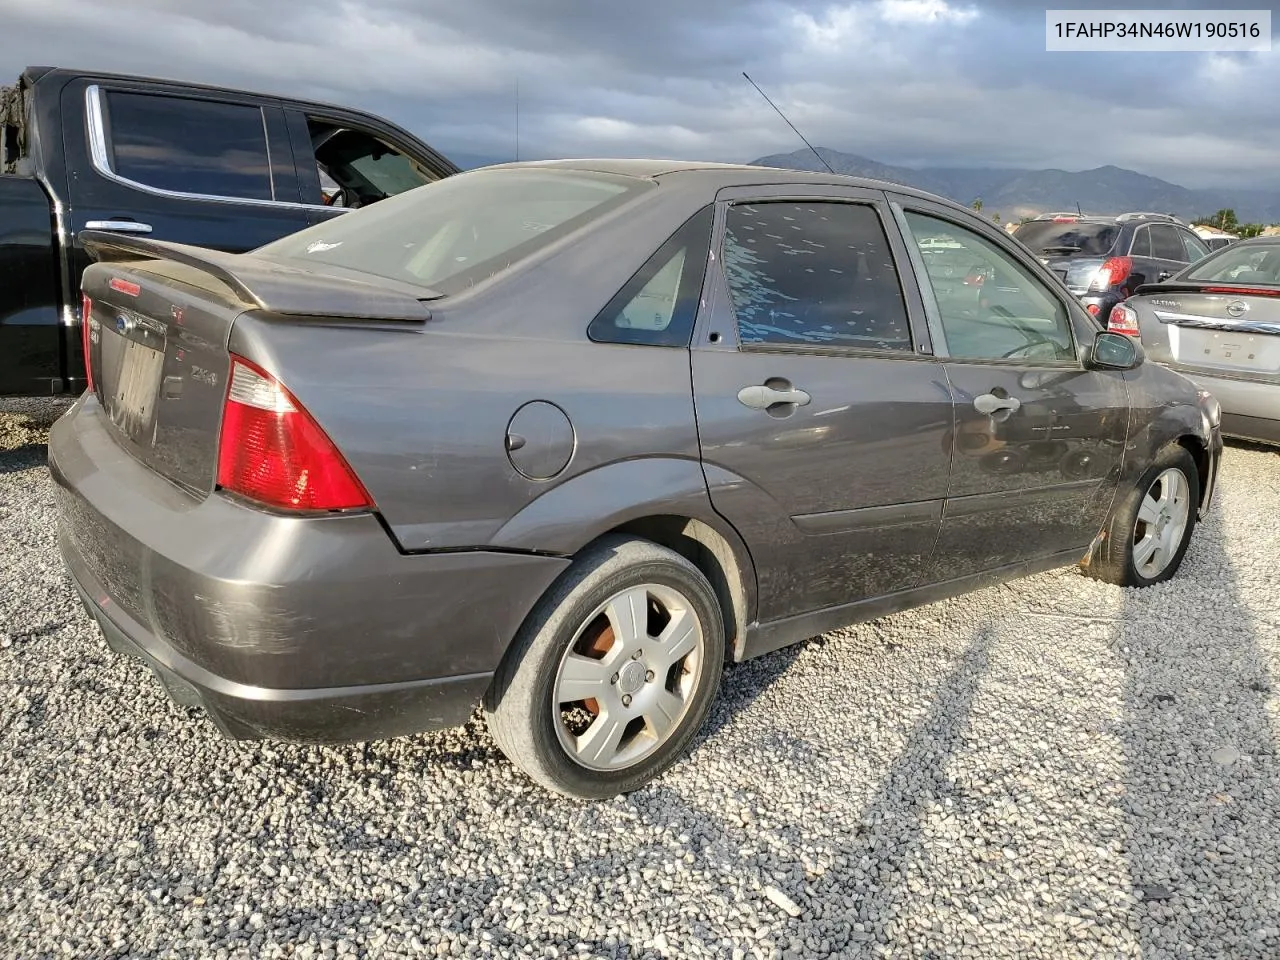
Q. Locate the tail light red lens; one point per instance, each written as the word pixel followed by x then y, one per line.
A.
pixel 1093 309
pixel 1124 319
pixel 1114 270
pixel 272 451
pixel 86 341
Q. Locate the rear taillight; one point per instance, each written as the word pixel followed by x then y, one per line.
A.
pixel 1114 270
pixel 86 340
pixel 1093 309
pixel 272 451
pixel 1124 319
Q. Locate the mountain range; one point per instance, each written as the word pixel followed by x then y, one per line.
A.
pixel 1016 193
pixel 1019 193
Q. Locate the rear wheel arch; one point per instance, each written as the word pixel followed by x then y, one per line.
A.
pixel 728 567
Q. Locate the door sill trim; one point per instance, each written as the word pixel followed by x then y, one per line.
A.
pixel 764 638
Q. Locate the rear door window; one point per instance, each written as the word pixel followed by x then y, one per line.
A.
pixel 815 274
pixel 1166 244
pixel 1141 243
pixel 1196 250
pixel 190 146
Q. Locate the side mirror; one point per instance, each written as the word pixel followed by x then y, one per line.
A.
pixel 1114 351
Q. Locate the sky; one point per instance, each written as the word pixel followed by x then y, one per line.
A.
pixel 958 83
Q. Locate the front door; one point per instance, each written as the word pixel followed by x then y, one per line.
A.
pixel 822 425
pixel 1039 439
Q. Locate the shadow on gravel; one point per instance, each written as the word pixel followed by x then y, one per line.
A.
pixel 742 683
pixel 29 456
pixel 1202 781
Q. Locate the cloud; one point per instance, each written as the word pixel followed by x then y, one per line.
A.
pixel 924 11
pixel 938 82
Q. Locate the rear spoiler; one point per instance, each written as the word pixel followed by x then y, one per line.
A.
pixel 269 284
pixel 1225 288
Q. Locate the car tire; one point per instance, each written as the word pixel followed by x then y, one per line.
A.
pixel 648 697
pixel 1160 509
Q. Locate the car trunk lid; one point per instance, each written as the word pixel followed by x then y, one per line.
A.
pixel 158 325
pixel 1219 327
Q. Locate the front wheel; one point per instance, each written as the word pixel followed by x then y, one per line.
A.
pixel 1150 528
pixel 613 673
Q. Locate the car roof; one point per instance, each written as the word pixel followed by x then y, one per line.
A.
pixel 1255 242
pixel 54 74
pixel 722 175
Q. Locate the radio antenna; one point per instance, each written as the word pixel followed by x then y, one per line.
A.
pixel 517 119
pixel 789 123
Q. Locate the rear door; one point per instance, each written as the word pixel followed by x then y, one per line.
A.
pixel 212 169
pixel 822 418
pixel 1038 440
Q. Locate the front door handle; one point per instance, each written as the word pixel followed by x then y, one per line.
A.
pixel 763 396
pixel 119 226
pixel 989 403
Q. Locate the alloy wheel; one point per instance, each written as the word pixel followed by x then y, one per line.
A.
pixel 1162 520
pixel 628 677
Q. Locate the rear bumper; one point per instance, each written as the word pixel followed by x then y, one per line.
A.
pixel 1100 304
pixel 328 715
pixel 309 629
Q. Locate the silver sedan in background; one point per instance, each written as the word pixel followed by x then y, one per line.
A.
pixel 1218 322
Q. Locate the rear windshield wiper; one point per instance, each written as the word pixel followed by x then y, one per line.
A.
pixel 1062 249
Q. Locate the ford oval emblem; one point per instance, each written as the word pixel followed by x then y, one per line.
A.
pixel 1237 308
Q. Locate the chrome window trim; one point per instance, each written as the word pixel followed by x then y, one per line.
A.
pixel 102 163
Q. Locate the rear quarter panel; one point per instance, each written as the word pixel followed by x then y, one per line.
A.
pixel 422 414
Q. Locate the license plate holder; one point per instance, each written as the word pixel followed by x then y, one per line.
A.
pixel 133 401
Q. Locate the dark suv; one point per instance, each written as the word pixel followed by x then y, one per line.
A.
pixel 1104 259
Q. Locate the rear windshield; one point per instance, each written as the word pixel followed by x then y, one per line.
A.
pixel 1048 238
pixel 1239 264
pixel 456 232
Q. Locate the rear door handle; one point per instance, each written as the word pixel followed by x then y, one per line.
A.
pixel 990 403
pixel 762 397
pixel 119 226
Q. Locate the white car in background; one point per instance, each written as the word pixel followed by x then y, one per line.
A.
pixel 1218 322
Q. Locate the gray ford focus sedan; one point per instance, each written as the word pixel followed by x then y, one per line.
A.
pixel 562 438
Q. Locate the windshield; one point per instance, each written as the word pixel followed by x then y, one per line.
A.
pixel 1240 264
pixel 452 234
pixel 1049 237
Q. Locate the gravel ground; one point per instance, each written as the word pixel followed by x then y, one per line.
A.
pixel 1052 768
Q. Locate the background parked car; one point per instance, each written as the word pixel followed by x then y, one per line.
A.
pixel 1103 260
pixel 564 436
pixel 217 167
pixel 1218 321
